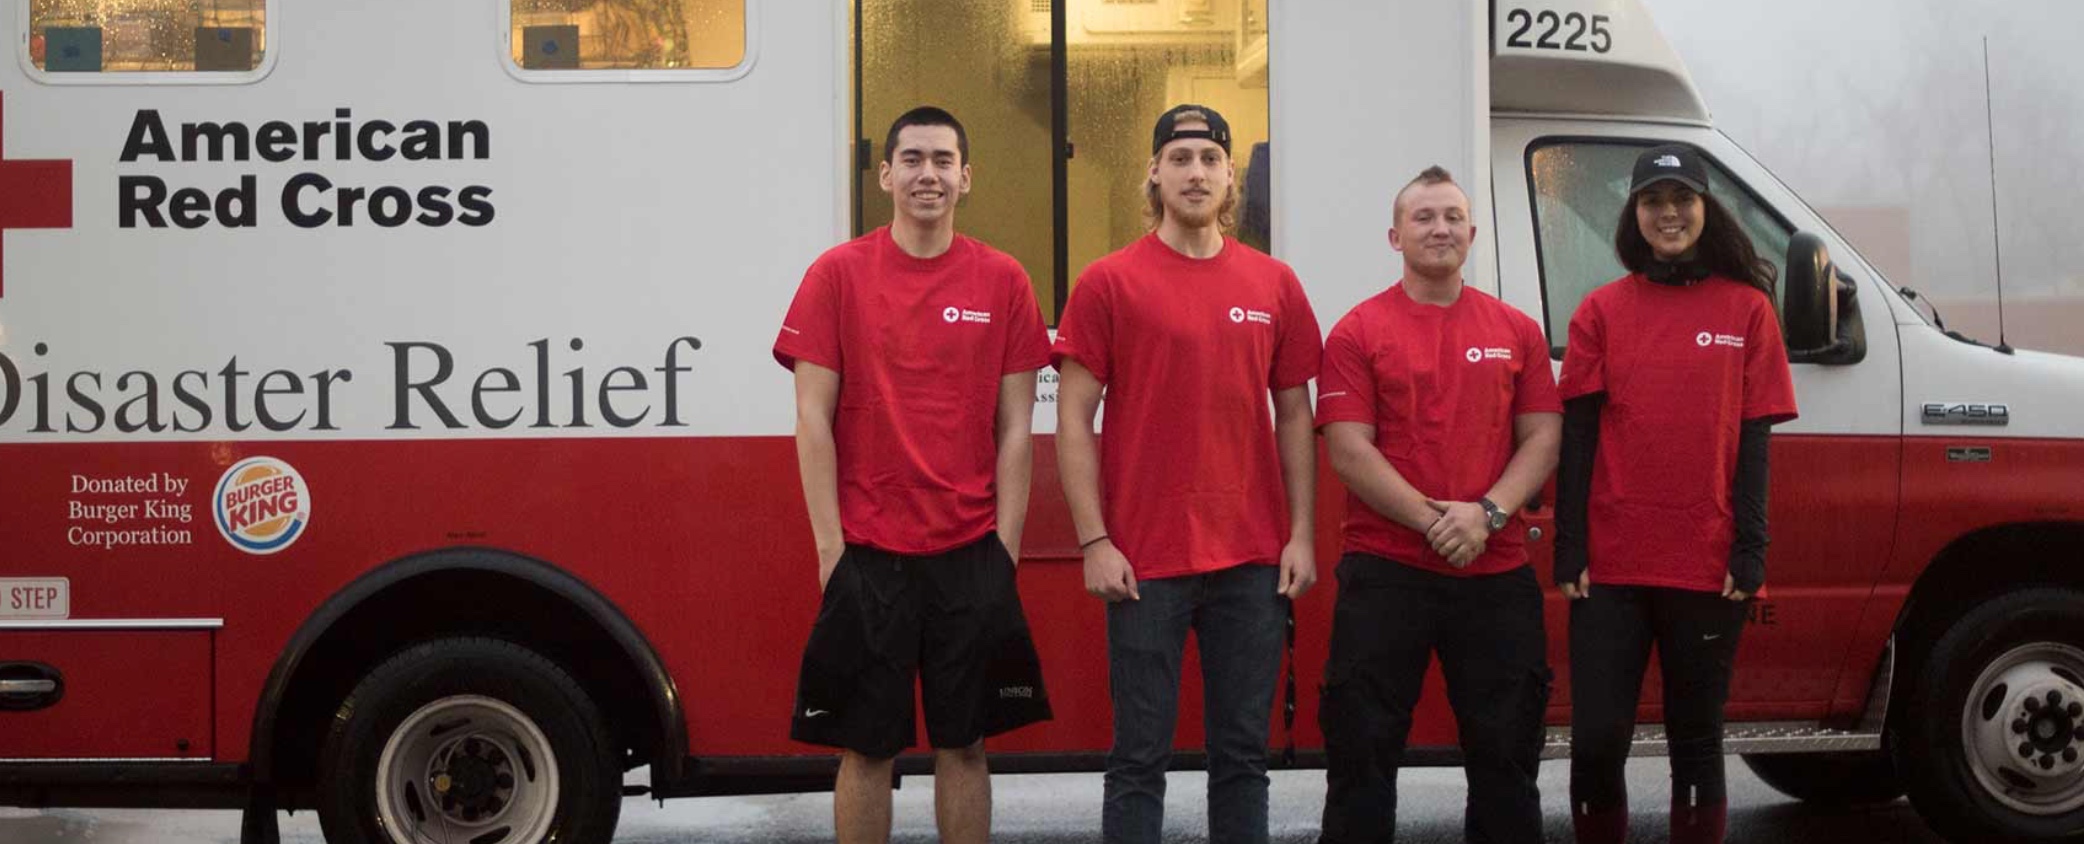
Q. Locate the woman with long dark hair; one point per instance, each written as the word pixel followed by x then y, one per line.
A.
pixel 1672 380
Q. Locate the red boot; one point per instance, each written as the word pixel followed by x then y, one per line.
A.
pixel 1702 824
pixel 1605 826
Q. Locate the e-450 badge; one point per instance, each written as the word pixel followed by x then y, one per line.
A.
pixel 1966 413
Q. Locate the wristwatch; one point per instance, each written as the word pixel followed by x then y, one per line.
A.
pixel 1497 517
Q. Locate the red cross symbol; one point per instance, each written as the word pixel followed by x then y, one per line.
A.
pixel 33 194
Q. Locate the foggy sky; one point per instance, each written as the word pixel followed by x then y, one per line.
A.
pixel 1878 105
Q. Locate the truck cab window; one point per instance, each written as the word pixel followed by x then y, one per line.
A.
pixel 1579 188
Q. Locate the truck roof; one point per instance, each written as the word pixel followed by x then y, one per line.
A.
pixel 1598 57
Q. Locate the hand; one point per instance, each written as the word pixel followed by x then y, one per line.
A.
pixel 828 559
pixel 1460 532
pixel 1581 589
pixel 1107 573
pixel 1730 590
pixel 1298 568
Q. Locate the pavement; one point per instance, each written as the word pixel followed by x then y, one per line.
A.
pixel 1053 808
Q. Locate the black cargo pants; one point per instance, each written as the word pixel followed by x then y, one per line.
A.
pixel 1487 629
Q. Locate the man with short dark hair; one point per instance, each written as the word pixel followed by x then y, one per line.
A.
pixel 1195 511
pixel 1441 416
pixel 915 351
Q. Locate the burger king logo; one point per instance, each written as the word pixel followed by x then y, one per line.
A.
pixel 261 505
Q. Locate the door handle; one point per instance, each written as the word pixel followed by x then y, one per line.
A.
pixel 29 686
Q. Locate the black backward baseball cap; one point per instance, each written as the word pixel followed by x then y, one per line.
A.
pixel 1676 162
pixel 1218 129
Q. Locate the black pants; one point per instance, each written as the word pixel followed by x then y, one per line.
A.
pixel 1488 632
pixel 1610 637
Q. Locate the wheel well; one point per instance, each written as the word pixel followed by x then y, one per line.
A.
pixel 1980 566
pixel 461 601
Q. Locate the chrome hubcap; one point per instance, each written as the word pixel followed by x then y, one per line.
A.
pixel 466 768
pixel 2023 727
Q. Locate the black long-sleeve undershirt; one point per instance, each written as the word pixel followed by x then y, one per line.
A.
pixel 1574 484
pixel 1747 553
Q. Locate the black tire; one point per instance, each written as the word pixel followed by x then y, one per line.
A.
pixel 1829 779
pixel 2033 638
pixel 466 721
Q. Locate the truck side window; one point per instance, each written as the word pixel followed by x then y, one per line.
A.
pixel 1579 187
pixel 627 34
pixel 147 36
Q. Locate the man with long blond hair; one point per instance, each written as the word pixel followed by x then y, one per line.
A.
pixel 1226 208
pixel 1196 511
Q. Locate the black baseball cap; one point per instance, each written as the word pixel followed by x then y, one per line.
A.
pixel 1676 162
pixel 1218 129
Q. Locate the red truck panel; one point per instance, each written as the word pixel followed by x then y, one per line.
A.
pixel 128 695
pixel 703 543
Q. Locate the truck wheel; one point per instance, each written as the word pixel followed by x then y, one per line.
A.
pixel 474 740
pixel 1991 744
pixel 1829 779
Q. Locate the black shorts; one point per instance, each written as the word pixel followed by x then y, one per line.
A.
pixel 953 619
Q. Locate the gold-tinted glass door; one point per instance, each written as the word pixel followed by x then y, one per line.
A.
pixel 1128 62
pixel 987 62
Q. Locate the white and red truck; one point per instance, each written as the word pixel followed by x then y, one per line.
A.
pixel 388 425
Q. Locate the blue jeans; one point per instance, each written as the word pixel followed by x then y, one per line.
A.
pixel 1239 620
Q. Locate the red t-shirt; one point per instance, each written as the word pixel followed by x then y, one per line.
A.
pixel 1188 348
pixel 920 345
pixel 1442 386
pixel 1683 367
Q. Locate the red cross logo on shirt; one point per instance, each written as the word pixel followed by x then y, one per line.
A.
pixel 33 195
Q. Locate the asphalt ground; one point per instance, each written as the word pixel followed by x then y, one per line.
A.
pixel 1052 808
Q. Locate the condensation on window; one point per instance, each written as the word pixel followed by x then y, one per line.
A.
pixel 628 34
pixel 1128 64
pixel 988 62
pixel 1578 193
pixel 147 36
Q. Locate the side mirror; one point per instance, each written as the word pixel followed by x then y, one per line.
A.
pixel 1808 294
pixel 1822 313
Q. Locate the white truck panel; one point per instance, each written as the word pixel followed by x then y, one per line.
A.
pixel 625 216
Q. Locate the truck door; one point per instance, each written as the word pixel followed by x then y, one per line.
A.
pixel 1559 186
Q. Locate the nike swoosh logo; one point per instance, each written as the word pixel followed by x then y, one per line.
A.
pixel 813 713
pixel 1710 637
